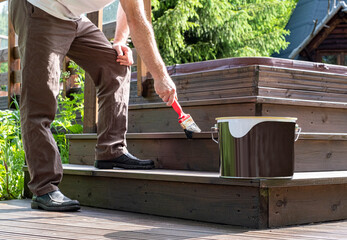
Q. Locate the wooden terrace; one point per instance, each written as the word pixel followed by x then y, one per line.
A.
pixel 186 183
pixel 19 222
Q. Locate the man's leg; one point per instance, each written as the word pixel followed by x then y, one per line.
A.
pixel 43 42
pixel 92 51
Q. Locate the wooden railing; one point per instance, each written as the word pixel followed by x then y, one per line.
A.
pixel 90 100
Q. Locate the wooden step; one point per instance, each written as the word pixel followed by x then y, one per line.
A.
pixel 313 151
pixel 313 116
pixel 204 196
pixel 265 77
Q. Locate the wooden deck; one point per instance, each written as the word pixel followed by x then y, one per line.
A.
pixel 19 221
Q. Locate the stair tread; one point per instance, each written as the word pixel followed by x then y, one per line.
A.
pixel 244 99
pixel 299 179
pixel 204 135
pixel 158 174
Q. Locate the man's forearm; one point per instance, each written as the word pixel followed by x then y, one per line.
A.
pixel 122 29
pixel 143 38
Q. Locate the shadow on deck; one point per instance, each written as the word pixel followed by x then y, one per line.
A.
pixel 18 221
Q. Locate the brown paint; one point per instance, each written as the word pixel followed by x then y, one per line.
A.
pixel 267 150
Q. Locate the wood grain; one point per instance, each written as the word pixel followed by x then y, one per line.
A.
pixel 19 222
pixel 165 119
pixel 90 99
pixel 311 119
pixel 298 205
pixel 212 203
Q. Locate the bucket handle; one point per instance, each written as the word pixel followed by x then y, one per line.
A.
pixel 297 132
pixel 214 129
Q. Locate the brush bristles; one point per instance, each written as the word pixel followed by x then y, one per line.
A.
pixel 189 125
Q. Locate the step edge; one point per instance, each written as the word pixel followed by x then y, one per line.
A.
pixel 298 179
pixel 245 99
pixel 301 179
pixel 159 175
pixel 205 135
pixel 192 103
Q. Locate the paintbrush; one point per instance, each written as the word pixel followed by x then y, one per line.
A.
pixel 185 120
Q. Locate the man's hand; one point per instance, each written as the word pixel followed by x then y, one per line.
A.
pixel 166 90
pixel 125 55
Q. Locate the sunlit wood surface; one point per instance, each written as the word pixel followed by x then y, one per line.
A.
pixel 19 221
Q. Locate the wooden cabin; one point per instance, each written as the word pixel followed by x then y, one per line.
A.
pixel 318 32
pixel 186 183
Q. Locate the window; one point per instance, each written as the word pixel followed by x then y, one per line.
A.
pixel 332 57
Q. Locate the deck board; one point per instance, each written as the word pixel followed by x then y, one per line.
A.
pixel 298 179
pixel 18 221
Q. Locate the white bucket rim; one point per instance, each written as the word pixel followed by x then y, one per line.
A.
pixel 283 119
pixel 240 126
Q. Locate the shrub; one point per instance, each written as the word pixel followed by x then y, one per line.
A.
pixel 11 155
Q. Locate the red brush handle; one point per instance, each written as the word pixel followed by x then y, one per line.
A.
pixel 176 106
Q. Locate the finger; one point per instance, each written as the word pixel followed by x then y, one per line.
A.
pixel 165 98
pixel 130 57
pixel 118 49
pixel 171 100
pixel 125 63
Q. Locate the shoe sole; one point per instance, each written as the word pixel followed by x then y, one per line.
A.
pixel 109 165
pixel 71 208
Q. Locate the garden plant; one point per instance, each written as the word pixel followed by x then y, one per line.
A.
pixel 12 157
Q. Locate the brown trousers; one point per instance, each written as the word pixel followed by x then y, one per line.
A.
pixel 43 42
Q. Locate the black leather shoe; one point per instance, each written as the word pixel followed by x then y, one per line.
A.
pixel 126 161
pixel 54 201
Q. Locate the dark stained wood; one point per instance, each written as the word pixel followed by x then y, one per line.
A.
pixel 198 154
pixel 90 106
pixel 142 71
pixel 90 99
pixel 205 85
pixel 262 81
pixel 313 152
pixel 165 119
pixel 4 54
pixel 311 119
pixel 3 79
pixel 12 64
pixel 234 205
pixel 324 33
pixel 298 205
pixel 109 29
pixel 3 103
pixel 301 94
pixel 198 177
pixel 300 80
pixel 320 155
pixel 306 179
pixel 19 222
pixel 258 203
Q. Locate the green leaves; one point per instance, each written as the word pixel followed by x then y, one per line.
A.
pixel 11 149
pixel 11 155
pixel 68 108
pixel 196 30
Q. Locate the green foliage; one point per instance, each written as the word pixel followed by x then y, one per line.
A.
pixel 196 30
pixel 11 155
pixel 68 108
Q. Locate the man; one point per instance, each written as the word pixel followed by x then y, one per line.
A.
pixel 47 31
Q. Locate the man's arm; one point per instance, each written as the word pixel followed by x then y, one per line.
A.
pixel 125 56
pixel 143 37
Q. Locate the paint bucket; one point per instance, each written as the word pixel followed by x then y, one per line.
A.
pixel 256 147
